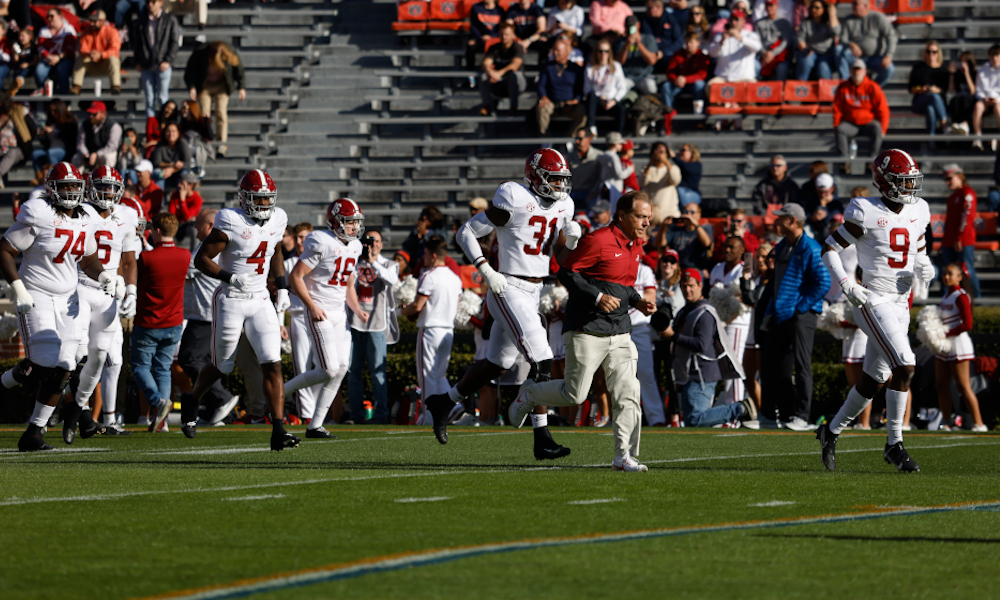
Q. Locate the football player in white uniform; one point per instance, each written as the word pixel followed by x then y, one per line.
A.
pixel 246 241
pixel 324 280
pixel 303 357
pixel 533 222
pixel 728 273
pixel 52 235
pixel 889 234
pixel 113 228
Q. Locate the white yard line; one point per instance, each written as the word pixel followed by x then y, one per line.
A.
pixel 431 499
pixel 595 501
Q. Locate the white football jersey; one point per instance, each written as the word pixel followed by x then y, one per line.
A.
pixel 112 235
pixel 525 242
pixel 887 248
pixel 297 306
pixel 51 245
pixel 719 275
pixel 332 263
pixel 443 289
pixel 644 280
pixel 251 245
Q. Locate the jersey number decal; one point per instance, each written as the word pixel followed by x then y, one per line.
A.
pixel 895 235
pixel 545 235
pixel 341 277
pixel 105 248
pixel 78 248
pixel 258 257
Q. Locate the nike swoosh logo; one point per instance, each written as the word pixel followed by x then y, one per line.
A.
pixel 913 220
pixel 617 254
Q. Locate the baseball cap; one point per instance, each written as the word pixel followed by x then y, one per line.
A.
pixel 601 206
pixel 669 254
pixel 824 181
pixel 479 204
pixel 614 138
pixel 98 15
pixel 791 210
pixel 693 274
pixel 628 145
pixel 952 169
pixel 631 21
pixel 144 166
pixel 770 1
pixel 738 14
pixel 96 107
pixel 402 254
pixel 859 64
pixel 188 177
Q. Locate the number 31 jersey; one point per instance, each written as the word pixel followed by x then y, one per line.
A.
pixel 887 250
pixel 332 263
pixel 526 241
pixel 251 244
pixel 52 244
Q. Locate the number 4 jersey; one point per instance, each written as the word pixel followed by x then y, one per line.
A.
pixel 887 250
pixel 332 262
pixel 51 245
pixel 251 244
pixel 526 240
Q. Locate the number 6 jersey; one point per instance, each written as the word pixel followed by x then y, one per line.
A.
pixel 332 262
pixel 251 245
pixel 887 250
pixel 526 240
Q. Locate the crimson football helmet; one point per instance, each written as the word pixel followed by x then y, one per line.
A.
pixel 104 187
pixel 65 186
pixel 897 176
pixel 547 173
pixel 339 213
pixel 134 205
pixel 257 185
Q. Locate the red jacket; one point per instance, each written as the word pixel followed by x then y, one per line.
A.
pixel 160 297
pixel 959 221
pixel 151 200
pixel 187 210
pixel 860 104
pixel 693 68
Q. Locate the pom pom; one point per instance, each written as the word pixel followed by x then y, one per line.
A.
pixel 469 305
pixel 932 333
pixel 405 291
pixel 726 301
pixel 552 299
pixel 833 318
pixel 8 326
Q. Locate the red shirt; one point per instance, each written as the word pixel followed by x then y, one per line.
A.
pixel 749 240
pixel 151 199
pixel 188 209
pixel 608 255
pixel 964 311
pixel 160 294
pixel 693 68
pixel 959 221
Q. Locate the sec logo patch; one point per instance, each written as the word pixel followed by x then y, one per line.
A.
pixel 247 233
pixel 530 207
pixel 882 222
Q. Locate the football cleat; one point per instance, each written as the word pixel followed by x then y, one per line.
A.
pixel 190 429
pixel 520 409
pixel 31 440
pixel 440 406
pixel 280 441
pixel 320 433
pixel 547 449
pixel 88 426
pixel 116 429
pixel 628 465
pixel 828 441
pixel 72 417
pixel 896 456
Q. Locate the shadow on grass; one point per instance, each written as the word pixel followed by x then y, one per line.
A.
pixel 866 538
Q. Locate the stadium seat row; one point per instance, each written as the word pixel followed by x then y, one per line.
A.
pixel 773 97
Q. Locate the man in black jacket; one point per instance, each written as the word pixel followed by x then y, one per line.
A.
pixel 776 188
pixel 600 275
pixel 155 39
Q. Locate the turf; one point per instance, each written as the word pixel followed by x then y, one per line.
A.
pixel 152 515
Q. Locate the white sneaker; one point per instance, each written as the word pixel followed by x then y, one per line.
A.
pixel 752 424
pixel 602 422
pixel 467 420
pixel 628 464
pixel 979 429
pixel 223 411
pixel 519 409
pixel 798 424
pixel 977 144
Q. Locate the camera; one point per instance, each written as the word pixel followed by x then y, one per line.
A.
pixel 368 241
pixel 663 317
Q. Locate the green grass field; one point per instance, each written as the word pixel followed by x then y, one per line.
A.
pixel 389 513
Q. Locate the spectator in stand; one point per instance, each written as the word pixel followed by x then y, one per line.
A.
pixel 687 71
pixel 607 19
pixel 777 187
pixel 585 167
pixel 637 54
pixel 159 312
pixel 962 87
pixel 958 245
pixel 808 194
pixel 820 222
pixel 129 156
pixel 663 26
pixel 98 140
pixel 171 156
pixel 484 22
pixel 613 172
pixel 56 51
pixel 689 162
pixel 98 53
pixel 560 90
pixel 627 153
pixel 156 124
pixel 17 128
pixel 681 10
pixel 23 59
pixel 529 22
pixel 869 36
pixel 199 8
pixel 502 74
pixel 697 22
pixel 193 120
pixel 659 180
pixel 800 282
pixel 185 201
pixel 859 108
pixel 213 74
pixel 155 39
pixel 605 87
pixel 148 194
pixel 690 239
pixel 817 42
pixel 777 39
pixel 736 226
pixel 735 51
pixel 566 17
pixel 929 84
pixel 56 138
pixel 987 93
pixel 121 9
pixel 600 215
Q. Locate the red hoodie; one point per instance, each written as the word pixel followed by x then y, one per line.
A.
pixel 693 68
pixel 959 221
pixel 860 104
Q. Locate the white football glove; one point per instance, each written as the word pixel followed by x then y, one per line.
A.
pixel 22 299
pixel 856 294
pixel 926 267
pixel 283 302
pixel 573 233
pixel 127 307
pixel 109 283
pixel 496 281
pixel 241 282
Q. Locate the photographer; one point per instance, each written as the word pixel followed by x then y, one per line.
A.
pixel 373 281
pixel 735 51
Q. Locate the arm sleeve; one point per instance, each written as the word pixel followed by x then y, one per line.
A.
pixel 425 286
pixel 751 41
pixel 587 254
pixel 129 243
pixel 891 37
pixel 173 41
pixel 388 274
pixel 312 252
pixel 114 140
pixel 965 311
pixel 882 109
pixel 114 44
pixel 20 235
pixel 837 99
pixel 468 235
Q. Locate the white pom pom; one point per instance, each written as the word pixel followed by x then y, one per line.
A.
pixel 833 317
pixel 726 302
pixel 405 291
pixel 932 333
pixel 552 298
pixel 469 304
pixel 8 326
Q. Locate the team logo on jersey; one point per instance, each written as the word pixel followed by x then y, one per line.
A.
pixel 530 207
pixel 366 275
pixel 882 221
pixel 247 233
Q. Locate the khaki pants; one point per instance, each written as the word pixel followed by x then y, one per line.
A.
pixel 110 66
pixel 216 90
pixel 575 111
pixel 188 7
pixel 584 354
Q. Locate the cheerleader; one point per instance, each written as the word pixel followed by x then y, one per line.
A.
pixel 956 314
pixel 753 286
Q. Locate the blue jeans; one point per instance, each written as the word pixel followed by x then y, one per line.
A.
pixel 780 72
pixel 60 74
pixel 993 200
pixel 967 256
pixel 670 91
pixel 156 85
pixel 370 347
pixel 53 156
pixel 4 72
pixel 823 64
pixel 151 356
pixel 688 196
pixel 932 106
pixel 696 404
pixel 874 63
pixel 122 6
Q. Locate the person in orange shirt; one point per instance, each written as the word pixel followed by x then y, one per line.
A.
pixel 98 53
pixel 859 108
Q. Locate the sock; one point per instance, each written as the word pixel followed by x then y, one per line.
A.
pixel 895 408
pixel 455 395
pixel 109 391
pixel 326 397
pixel 90 376
pixel 277 427
pixel 40 415
pixel 539 421
pixel 304 380
pixel 851 408
pixel 9 381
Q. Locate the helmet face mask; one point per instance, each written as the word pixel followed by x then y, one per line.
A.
pixel 104 188
pixel 65 186
pixel 257 195
pixel 547 174
pixel 345 220
pixel 897 177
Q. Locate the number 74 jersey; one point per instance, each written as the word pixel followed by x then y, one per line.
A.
pixel 251 244
pixel 887 250
pixel 525 242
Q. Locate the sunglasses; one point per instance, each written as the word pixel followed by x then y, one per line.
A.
pixel 932 51
pixel 738 222
pixel 690 212
pixel 604 51
pixel 774 166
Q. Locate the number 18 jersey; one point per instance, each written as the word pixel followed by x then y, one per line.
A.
pixel 332 263
pixel 251 244
pixel 887 249
pixel 525 242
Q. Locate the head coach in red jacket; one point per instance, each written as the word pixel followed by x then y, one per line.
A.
pixel 600 275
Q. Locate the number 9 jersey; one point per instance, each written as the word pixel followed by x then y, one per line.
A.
pixel 526 240
pixel 887 248
pixel 251 244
